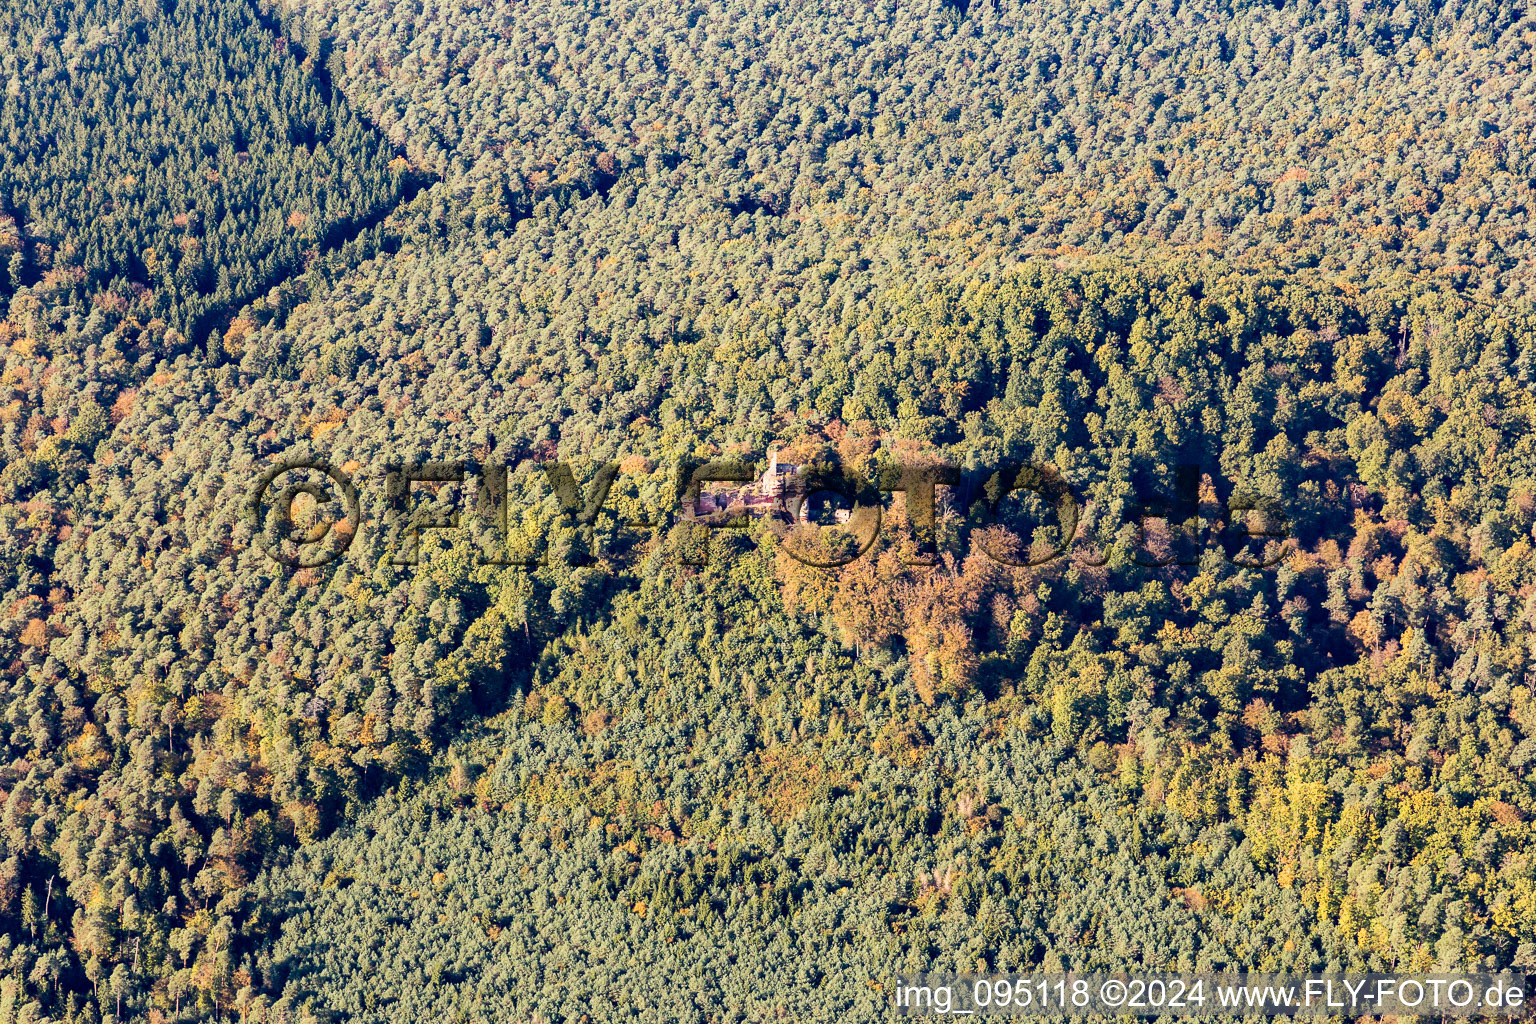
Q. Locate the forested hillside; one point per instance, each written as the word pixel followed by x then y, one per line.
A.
pixel 635 788
pixel 160 176
pixel 1371 138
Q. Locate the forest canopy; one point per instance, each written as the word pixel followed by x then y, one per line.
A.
pixel 1284 244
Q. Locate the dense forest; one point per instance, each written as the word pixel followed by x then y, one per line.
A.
pixel 1283 243
pixel 148 204
pixel 1375 139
